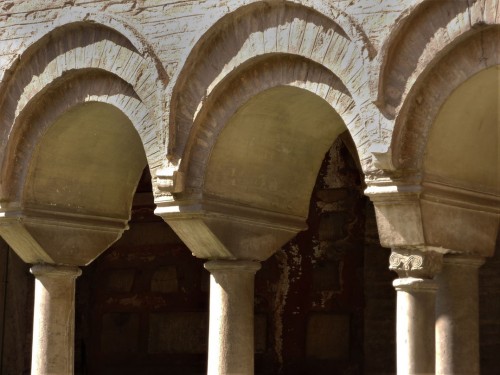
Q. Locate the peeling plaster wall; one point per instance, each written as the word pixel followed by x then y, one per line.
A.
pixel 311 291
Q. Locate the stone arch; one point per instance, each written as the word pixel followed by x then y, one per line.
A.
pixel 66 93
pixel 74 157
pixel 463 61
pixel 74 15
pixel 447 146
pixel 256 30
pixel 282 80
pixel 236 91
pixel 58 56
pixel 424 35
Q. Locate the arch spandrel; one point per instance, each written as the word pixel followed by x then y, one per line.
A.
pixel 79 159
pixel 454 207
pixel 467 123
pixel 307 108
pixel 52 184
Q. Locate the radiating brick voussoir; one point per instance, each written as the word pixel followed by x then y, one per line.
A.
pixel 412 126
pixel 254 31
pixel 42 111
pixel 277 70
pixel 421 38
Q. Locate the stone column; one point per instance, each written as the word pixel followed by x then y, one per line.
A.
pixel 231 332
pixel 416 299
pixel 457 316
pixel 54 319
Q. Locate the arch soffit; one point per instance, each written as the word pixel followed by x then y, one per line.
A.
pixel 259 29
pixel 464 60
pixel 423 34
pixel 93 86
pixel 77 47
pixel 259 76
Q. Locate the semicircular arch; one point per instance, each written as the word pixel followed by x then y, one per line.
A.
pixel 423 35
pixel 69 91
pixel 411 132
pixel 74 15
pixel 308 84
pixel 257 30
pixel 61 56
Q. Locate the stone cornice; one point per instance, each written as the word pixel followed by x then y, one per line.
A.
pixel 215 228
pixel 52 270
pixel 41 234
pixel 387 191
pixel 49 216
pixel 446 194
pixel 205 206
pixel 223 266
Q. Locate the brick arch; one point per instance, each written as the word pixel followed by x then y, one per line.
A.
pixel 72 48
pixel 74 15
pixel 257 30
pixel 74 88
pixel 464 60
pixel 263 74
pixel 423 35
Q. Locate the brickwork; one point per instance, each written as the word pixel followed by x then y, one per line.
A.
pixel 181 71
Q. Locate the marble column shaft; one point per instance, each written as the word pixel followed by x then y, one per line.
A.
pixel 54 319
pixel 416 296
pixel 457 316
pixel 231 331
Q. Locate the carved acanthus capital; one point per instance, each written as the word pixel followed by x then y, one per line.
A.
pixel 415 263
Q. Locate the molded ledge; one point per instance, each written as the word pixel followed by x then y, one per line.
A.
pixel 45 236
pixel 225 230
pixel 434 216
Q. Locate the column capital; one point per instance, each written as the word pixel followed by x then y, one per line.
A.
pixel 54 270
pixel 232 266
pixel 415 263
